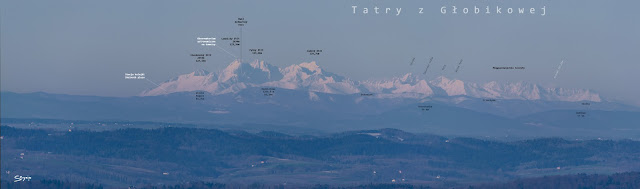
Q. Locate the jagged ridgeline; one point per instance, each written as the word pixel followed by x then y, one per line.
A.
pixel 310 77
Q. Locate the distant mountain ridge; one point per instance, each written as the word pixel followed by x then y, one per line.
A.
pixel 308 76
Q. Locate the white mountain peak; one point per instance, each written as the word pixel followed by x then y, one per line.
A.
pixel 408 78
pixel 258 64
pixel 450 87
pixel 311 66
pixel 230 71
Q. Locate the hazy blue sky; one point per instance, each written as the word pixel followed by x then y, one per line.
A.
pixel 85 47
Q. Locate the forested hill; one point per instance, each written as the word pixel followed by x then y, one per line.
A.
pixel 619 180
pixel 188 153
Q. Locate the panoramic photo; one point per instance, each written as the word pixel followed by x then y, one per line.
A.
pixel 334 94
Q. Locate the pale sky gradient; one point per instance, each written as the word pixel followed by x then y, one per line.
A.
pixel 85 47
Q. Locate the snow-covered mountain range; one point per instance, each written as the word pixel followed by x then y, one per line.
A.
pixel 310 77
pixel 309 97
